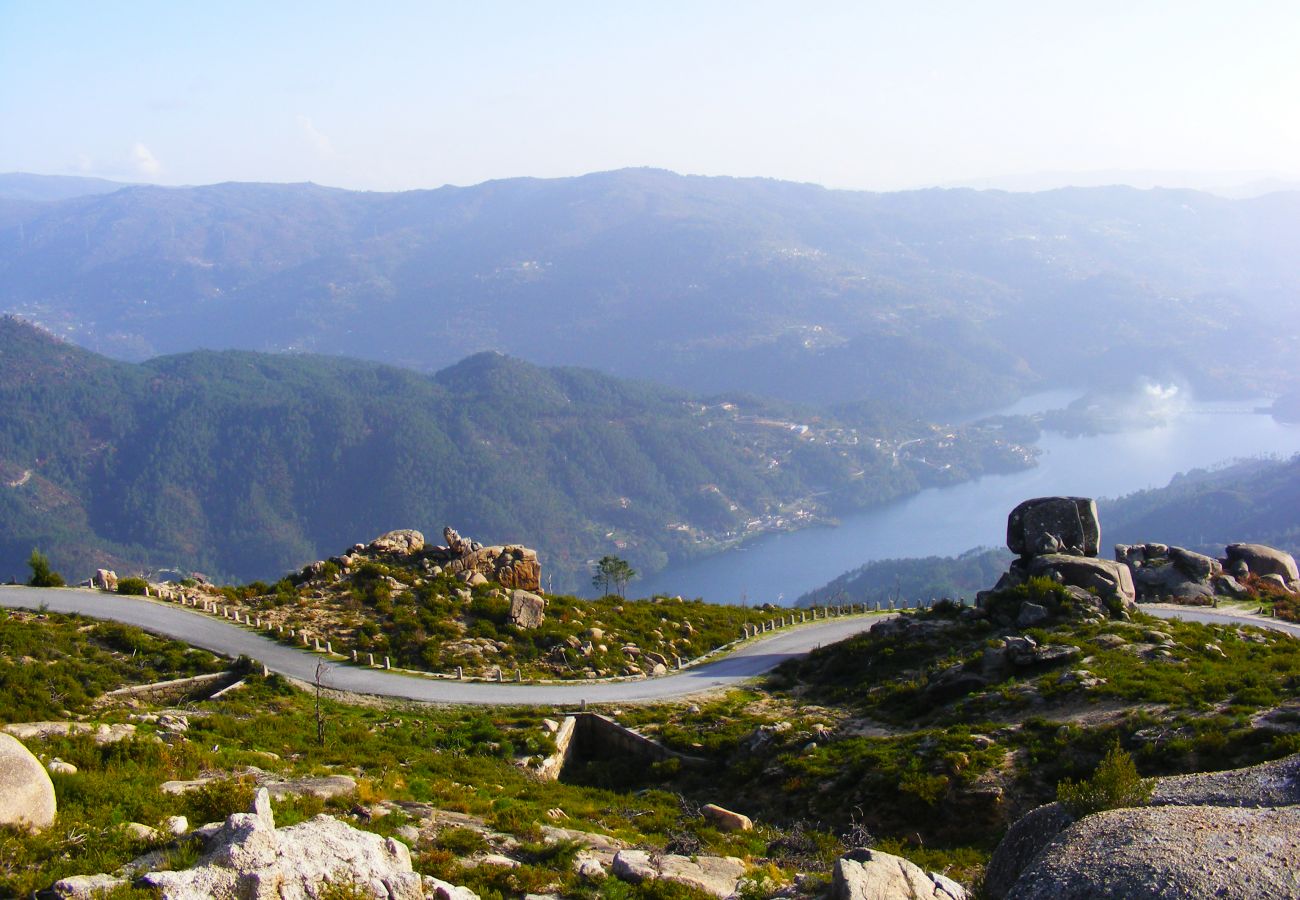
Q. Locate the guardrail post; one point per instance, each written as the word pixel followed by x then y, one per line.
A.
pixel 387 664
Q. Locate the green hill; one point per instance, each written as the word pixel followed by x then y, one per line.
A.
pixel 246 465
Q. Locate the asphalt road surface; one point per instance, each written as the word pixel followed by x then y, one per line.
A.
pixel 225 637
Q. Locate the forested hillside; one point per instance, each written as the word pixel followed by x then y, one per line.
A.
pixel 936 301
pixel 246 465
pixel 1255 501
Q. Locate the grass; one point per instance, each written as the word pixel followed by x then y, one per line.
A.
pixel 939 789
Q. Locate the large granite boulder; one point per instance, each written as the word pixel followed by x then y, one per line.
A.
pixel 1054 525
pixel 26 792
pixel 1170 851
pixel 1262 560
pixel 527 610
pixel 865 874
pixel 1161 572
pixel 1039 838
pixel 250 858
pixel 1110 580
pixel 104 579
pixel 397 543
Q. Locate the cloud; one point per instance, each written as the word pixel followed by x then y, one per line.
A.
pixel 144 161
pixel 324 148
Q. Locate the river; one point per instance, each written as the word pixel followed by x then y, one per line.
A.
pixel 946 521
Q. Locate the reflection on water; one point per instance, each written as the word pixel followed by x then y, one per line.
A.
pixel 946 521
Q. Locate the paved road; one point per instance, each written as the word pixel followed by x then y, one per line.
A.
pixel 226 638
pixel 221 636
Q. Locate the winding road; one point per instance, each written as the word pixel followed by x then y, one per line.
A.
pixel 228 639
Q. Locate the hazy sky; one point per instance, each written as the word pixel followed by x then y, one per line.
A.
pixel 879 95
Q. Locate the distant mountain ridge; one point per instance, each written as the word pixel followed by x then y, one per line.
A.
pixel 246 465
pixel 934 301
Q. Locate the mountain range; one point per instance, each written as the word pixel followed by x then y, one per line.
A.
pixel 933 301
pixel 246 465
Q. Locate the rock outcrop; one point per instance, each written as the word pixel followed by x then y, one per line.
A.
pixel 26 792
pixel 1057 538
pixel 716 875
pixel 1163 852
pixel 248 857
pixel 865 874
pixel 1054 525
pixel 1220 834
pixel 1261 560
pixel 397 543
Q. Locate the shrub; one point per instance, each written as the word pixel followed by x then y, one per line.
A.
pixel 42 574
pixel 1115 785
pixel 136 586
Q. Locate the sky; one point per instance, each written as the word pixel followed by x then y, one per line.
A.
pixel 863 95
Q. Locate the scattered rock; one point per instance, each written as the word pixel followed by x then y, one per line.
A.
pixel 1030 614
pixel 26 792
pixel 59 767
pixel 105 580
pixel 85 887
pixel 716 875
pixel 865 874
pixel 725 819
pixel 141 832
pixel 527 610
pixel 249 858
pixel 176 825
pixel 104 734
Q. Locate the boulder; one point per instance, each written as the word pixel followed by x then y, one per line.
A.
pixel 1262 560
pixel 527 610
pixel 403 542
pixel 1171 851
pixel 1110 580
pixel 248 857
pixel 1194 565
pixel 725 819
pixel 1270 784
pixel 105 580
pixel 85 887
pixel 1054 525
pixel 716 875
pixel 1276 580
pixel 864 874
pixel 1030 614
pixel 26 792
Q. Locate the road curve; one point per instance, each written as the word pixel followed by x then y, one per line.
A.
pixel 228 639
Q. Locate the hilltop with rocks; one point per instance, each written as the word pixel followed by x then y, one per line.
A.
pixel 462 608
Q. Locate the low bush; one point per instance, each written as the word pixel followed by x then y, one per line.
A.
pixel 1115 785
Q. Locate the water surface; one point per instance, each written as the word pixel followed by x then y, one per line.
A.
pixel 950 520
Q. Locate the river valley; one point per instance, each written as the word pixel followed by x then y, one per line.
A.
pixel 950 520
